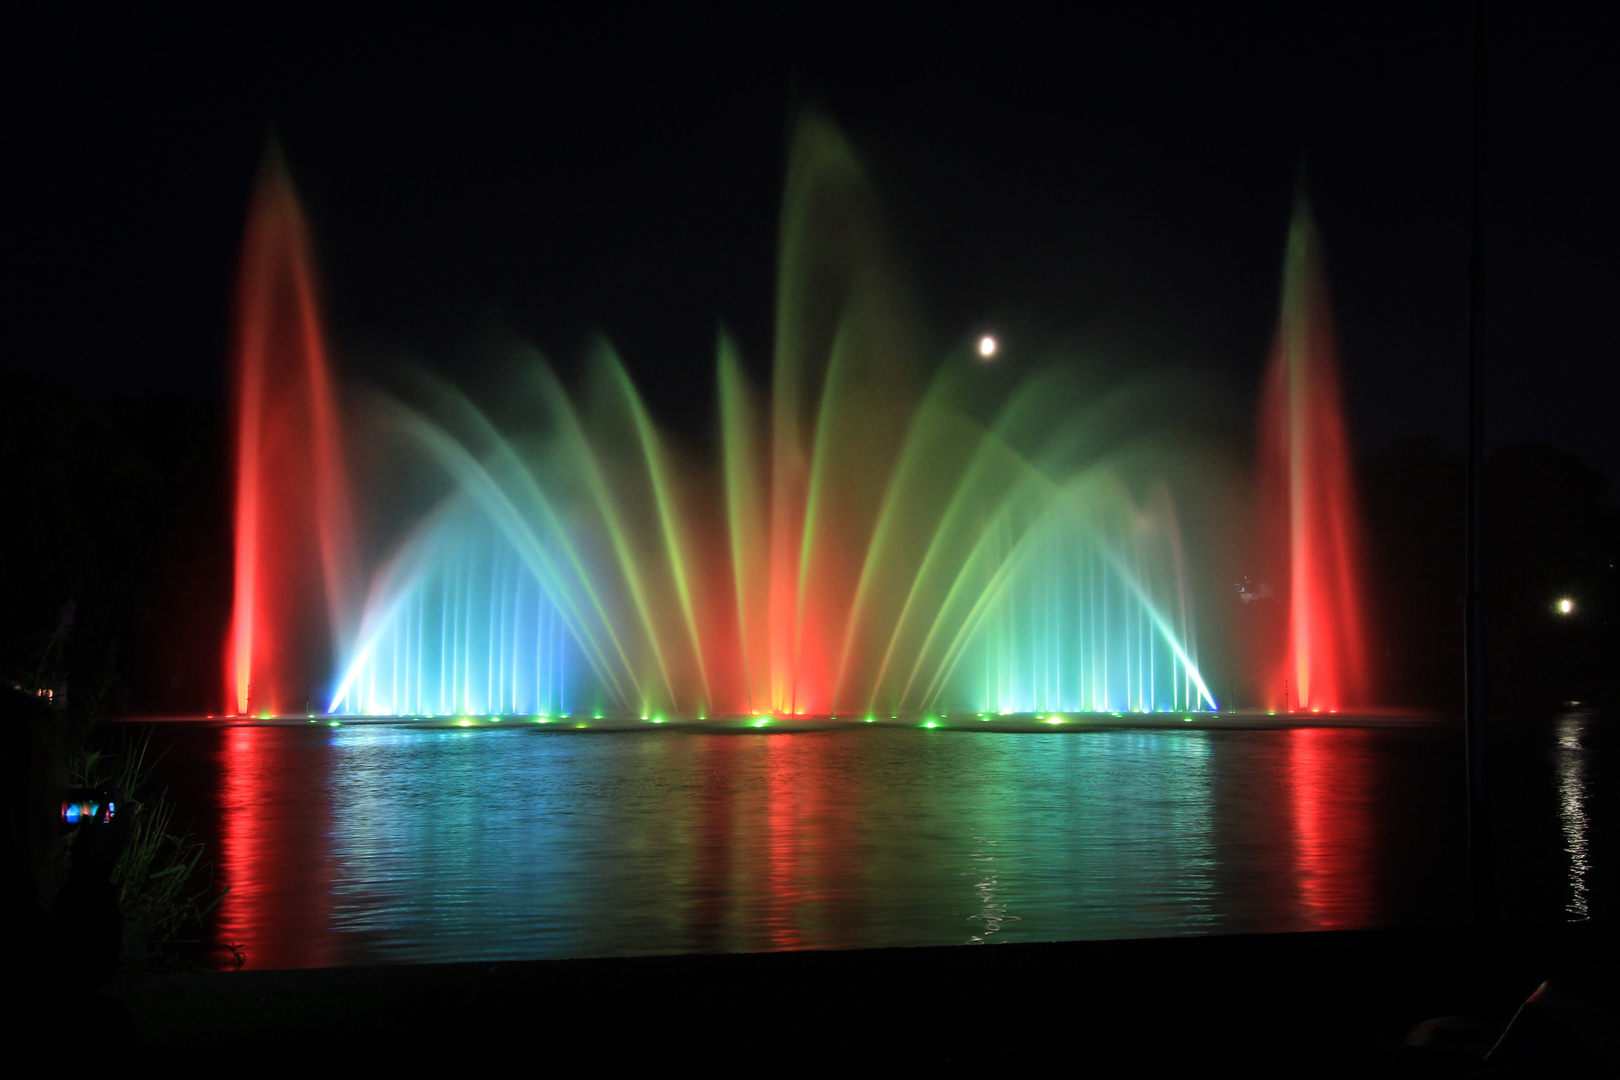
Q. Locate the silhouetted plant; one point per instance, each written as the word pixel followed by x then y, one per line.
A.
pixel 164 882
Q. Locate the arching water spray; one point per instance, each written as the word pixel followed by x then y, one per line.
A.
pixel 875 536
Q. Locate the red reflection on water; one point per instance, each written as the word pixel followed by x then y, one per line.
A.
pixel 294 538
pixel 278 868
pixel 777 858
pixel 713 902
pixel 1329 780
pixel 787 801
pixel 813 885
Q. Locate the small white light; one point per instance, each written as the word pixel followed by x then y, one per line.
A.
pixel 987 347
pixel 1565 606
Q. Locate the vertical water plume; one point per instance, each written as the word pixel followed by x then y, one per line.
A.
pixel 295 560
pixel 1310 527
pixel 743 451
pixel 845 383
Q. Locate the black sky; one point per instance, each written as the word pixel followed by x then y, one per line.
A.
pixel 1121 175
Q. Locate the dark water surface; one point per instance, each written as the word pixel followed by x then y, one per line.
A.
pixel 392 844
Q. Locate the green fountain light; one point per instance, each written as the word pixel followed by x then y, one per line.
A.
pixel 878 528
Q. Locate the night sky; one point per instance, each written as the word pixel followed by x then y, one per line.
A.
pixel 1117 178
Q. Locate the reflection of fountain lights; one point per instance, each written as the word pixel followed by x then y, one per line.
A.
pixel 1572 816
pixel 1330 781
pixel 271 918
pixel 988 886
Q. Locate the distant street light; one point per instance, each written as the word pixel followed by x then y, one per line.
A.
pixel 987 347
pixel 1565 606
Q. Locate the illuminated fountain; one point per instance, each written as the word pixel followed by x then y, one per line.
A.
pixel 295 561
pixel 1310 529
pixel 876 537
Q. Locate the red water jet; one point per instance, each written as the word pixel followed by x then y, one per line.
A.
pixel 1309 526
pixel 294 539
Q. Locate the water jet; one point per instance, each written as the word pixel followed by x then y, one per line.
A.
pixel 876 535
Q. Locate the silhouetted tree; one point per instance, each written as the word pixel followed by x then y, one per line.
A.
pixel 1549 535
pixel 1412 495
pixel 115 518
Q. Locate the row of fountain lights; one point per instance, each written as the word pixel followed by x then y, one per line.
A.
pixel 753 721
pixel 760 721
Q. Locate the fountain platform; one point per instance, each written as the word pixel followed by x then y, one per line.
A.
pixel 1232 720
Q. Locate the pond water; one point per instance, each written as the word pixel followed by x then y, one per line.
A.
pixel 379 843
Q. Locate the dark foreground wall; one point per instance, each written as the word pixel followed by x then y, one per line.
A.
pixel 1325 1004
